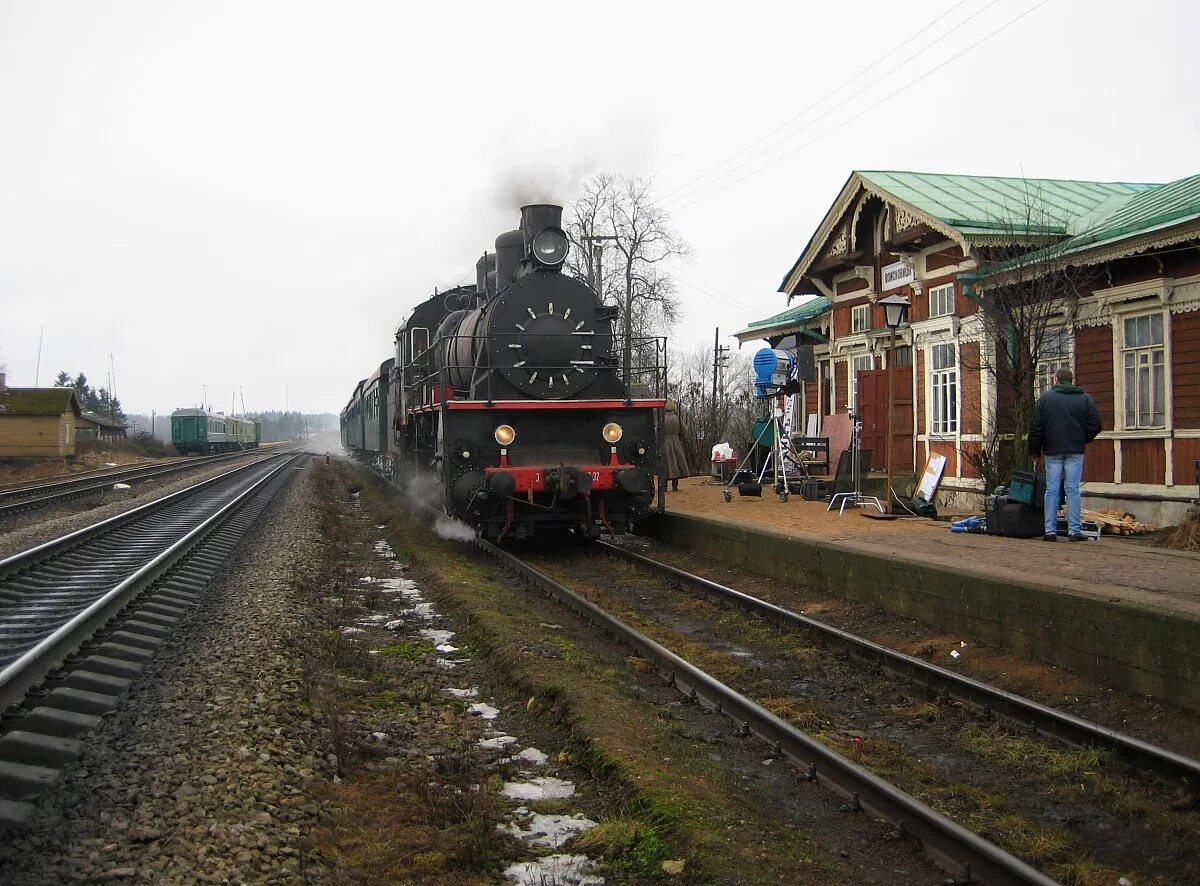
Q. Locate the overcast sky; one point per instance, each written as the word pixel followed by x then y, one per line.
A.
pixel 253 194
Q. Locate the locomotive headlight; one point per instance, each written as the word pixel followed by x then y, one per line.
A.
pixel 505 435
pixel 550 246
pixel 613 432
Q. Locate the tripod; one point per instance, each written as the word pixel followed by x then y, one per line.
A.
pixel 854 499
pixel 776 459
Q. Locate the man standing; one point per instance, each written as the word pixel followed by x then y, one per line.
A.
pixel 1065 421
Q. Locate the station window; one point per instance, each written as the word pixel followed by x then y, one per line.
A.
pixel 857 365
pixel 1144 363
pixel 943 389
pixel 860 318
pixel 1054 353
pixel 941 300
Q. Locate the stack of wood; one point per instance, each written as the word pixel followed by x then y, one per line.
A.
pixel 1113 521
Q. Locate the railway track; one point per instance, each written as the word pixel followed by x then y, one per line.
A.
pixel 30 496
pixel 968 856
pixel 1025 714
pixel 80 616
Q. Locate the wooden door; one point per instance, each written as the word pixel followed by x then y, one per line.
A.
pixel 872 404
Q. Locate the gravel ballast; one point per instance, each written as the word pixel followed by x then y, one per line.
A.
pixel 204 774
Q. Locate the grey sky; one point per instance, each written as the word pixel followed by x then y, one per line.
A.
pixel 253 194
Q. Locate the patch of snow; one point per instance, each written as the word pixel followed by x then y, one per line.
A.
pixel 394 624
pixel 497 742
pixel 111 464
pixel 446 648
pixel 545 787
pixel 349 632
pixel 445 663
pixel 550 831
pixel 534 756
pixel 372 619
pixel 424 610
pixel 473 692
pixel 436 636
pixel 379 736
pixel 122 486
pixel 384 550
pixel 484 710
pixel 567 870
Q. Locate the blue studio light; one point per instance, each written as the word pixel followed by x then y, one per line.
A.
pixel 772 370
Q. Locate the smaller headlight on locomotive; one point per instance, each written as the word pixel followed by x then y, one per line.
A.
pixel 505 435
pixel 613 432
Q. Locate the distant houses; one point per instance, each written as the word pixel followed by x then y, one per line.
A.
pixel 37 422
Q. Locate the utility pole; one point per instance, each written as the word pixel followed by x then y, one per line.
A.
pixel 595 256
pixel 720 357
pixel 204 402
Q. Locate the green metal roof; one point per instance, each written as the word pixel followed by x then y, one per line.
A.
pixel 38 401
pixel 1150 210
pixel 978 204
pixel 794 316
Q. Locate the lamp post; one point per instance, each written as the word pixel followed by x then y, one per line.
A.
pixel 895 311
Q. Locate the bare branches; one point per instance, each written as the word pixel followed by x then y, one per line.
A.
pixel 1026 294
pixel 636 240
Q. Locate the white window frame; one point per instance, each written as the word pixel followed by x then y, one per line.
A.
pixel 943 392
pixel 860 319
pixel 1138 357
pixel 941 301
pixel 1050 362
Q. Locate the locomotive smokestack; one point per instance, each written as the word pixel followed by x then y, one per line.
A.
pixel 537 217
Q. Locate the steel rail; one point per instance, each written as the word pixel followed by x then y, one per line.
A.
pixel 27 498
pixel 965 854
pixel 1015 709
pixel 24 559
pixel 29 669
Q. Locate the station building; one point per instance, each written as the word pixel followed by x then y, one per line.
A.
pixel 1121 266
pixel 37 422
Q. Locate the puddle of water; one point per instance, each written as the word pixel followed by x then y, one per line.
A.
pixel 567 870
pixel 544 787
pixel 548 831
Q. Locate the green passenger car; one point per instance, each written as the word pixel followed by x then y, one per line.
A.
pixel 202 432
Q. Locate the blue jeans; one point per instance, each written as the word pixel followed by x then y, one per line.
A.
pixel 1058 467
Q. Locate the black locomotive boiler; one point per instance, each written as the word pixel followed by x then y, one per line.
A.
pixel 509 399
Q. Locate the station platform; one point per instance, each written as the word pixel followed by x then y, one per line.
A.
pixel 1119 609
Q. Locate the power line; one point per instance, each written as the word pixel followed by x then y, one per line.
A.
pixel 717 294
pixel 688 185
pixel 865 110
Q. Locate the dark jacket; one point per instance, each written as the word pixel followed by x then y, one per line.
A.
pixel 1066 420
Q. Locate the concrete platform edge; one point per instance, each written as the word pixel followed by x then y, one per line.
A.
pixel 1121 643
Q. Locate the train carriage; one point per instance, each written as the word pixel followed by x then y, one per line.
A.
pixel 510 394
pixel 202 432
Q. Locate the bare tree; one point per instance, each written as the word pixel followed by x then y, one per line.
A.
pixel 617 214
pixel 1023 286
pixel 707 421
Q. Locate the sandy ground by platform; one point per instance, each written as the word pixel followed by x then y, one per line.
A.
pixel 1112 568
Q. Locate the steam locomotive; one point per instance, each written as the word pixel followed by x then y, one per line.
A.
pixel 510 403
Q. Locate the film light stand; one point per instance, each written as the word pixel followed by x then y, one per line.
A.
pixel 854 499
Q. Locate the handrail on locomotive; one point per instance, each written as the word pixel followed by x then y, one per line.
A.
pixel 647 373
